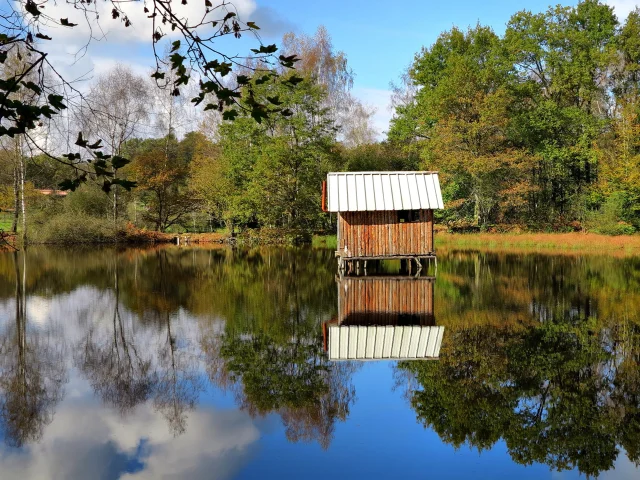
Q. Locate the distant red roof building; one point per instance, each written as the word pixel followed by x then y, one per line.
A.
pixel 49 191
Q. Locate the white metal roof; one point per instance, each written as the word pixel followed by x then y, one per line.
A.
pixel 384 342
pixel 375 191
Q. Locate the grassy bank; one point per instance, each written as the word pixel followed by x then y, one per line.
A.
pixel 325 241
pixel 557 242
pixel 551 242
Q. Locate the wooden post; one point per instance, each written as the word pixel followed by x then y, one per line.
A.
pixel 324 336
pixel 324 196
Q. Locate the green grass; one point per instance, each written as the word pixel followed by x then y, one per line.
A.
pixel 325 241
pixel 568 242
pixel 6 219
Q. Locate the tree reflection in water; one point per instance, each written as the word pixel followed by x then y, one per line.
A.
pixel 179 380
pixel 561 388
pixel 120 371
pixel 32 370
pixel 125 372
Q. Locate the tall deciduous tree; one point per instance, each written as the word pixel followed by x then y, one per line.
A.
pixel 117 109
pixel 461 116
pixel 512 122
pixel 320 61
pixel 275 168
pixel 161 169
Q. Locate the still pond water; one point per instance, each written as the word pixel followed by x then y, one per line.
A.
pixel 214 364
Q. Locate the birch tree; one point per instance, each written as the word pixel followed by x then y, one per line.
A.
pixel 117 109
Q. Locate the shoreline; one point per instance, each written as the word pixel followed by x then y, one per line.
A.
pixel 571 243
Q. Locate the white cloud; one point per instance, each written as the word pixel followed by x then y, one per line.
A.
pixel 141 28
pixel 622 7
pixel 380 100
pixel 38 310
pixel 103 445
pixel 92 47
pixel 102 64
pixel 623 469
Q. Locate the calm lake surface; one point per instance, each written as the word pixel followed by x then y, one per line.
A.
pixel 215 364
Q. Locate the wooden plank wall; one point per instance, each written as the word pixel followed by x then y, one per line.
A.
pixel 374 234
pixel 385 301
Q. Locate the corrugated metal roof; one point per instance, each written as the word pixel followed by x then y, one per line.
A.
pixel 375 191
pixel 384 342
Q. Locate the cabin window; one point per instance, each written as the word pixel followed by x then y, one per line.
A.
pixel 408 216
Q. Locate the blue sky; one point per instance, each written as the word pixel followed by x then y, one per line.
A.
pixel 380 38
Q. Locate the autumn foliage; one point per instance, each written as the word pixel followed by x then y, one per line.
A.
pixel 538 127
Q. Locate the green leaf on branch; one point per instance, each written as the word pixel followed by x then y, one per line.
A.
pixel 288 59
pixel 126 184
pixel 72 156
pixel 56 101
pixel 223 68
pixel 258 113
pixel 293 80
pixel 263 79
pixel 47 111
pixel 72 184
pixel 175 46
pixel 227 95
pixel 32 8
pixel 265 49
pixel 81 142
pixel 253 25
pixel 100 164
pixel 176 60
pixel 229 115
pixel 33 87
pixel 119 162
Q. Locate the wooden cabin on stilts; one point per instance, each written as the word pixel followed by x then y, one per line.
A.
pixel 383 215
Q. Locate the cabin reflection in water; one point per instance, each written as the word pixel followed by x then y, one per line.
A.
pixel 384 318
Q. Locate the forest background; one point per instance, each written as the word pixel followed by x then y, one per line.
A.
pixel 537 130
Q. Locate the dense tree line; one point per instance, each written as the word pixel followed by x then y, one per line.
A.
pixel 196 169
pixel 537 127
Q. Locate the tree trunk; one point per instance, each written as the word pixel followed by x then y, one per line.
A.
pixel 23 203
pixel 16 198
pixel 476 208
pixel 115 200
